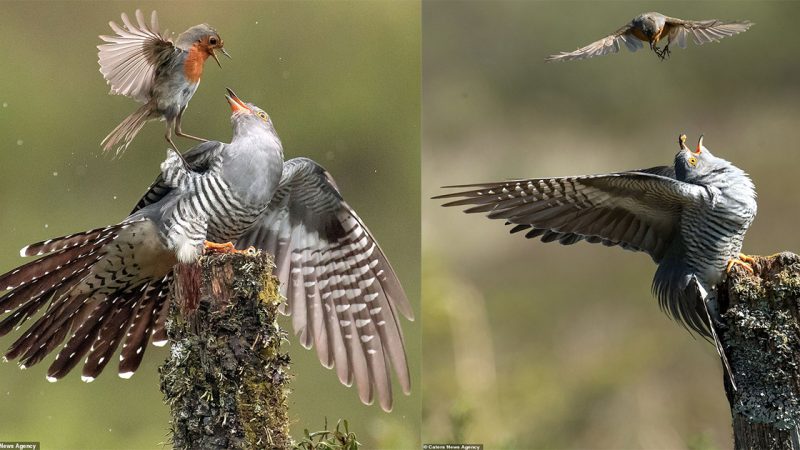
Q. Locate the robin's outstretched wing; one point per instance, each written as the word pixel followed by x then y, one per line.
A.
pixel 343 294
pixel 701 31
pixel 636 210
pixel 609 44
pixel 130 59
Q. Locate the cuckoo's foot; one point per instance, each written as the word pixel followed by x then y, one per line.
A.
pixel 749 259
pixel 213 247
pixel 743 260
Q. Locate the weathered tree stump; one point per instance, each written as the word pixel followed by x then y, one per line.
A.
pixel 762 342
pixel 225 379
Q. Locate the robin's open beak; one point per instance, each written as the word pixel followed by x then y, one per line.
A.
pixel 225 52
pixel 237 106
pixel 214 55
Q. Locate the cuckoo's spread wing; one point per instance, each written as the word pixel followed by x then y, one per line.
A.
pixel 702 31
pixel 130 59
pixel 199 158
pixel 343 295
pixel 609 44
pixel 635 210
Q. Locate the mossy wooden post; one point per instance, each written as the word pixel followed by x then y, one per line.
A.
pixel 225 379
pixel 762 342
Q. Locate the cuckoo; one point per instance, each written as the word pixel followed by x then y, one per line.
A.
pixel 652 27
pixel 109 286
pixel 690 218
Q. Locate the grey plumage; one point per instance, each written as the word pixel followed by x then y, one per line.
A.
pixel 109 286
pixel 690 218
pixel 344 296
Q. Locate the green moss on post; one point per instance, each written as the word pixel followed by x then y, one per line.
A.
pixel 762 342
pixel 225 379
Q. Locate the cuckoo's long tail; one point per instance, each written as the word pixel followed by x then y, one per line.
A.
pixel 95 291
pixel 121 136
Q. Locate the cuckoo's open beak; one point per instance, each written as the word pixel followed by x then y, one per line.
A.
pixel 237 106
pixel 699 145
pixel 682 142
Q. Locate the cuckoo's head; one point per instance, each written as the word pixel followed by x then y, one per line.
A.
pixel 250 121
pixel 696 165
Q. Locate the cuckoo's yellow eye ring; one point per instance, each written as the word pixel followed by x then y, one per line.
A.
pixel 693 161
pixel 263 116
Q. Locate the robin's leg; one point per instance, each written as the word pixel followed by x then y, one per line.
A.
pixel 174 147
pixel 665 52
pixel 181 133
pixel 656 50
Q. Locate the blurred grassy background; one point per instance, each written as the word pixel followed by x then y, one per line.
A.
pixel 530 345
pixel 341 82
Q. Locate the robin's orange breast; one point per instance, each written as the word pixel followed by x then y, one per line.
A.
pixel 195 60
pixel 639 34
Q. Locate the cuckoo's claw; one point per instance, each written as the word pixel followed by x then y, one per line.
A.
pixel 743 260
pixel 746 258
pixel 213 247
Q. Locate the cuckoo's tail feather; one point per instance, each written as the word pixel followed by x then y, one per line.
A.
pixel 121 136
pixel 32 285
pixel 96 297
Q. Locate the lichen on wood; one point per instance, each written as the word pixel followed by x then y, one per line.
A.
pixel 225 380
pixel 761 338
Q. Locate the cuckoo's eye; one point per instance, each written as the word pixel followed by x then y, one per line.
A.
pixel 263 115
pixel 692 161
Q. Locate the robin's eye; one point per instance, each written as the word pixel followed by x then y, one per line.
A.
pixel 212 41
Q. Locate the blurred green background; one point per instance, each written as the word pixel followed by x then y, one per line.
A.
pixel 341 82
pixel 530 345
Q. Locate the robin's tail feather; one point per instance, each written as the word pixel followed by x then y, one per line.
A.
pixel 94 293
pixel 121 136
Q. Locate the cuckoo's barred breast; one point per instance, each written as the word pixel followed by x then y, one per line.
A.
pixel 690 218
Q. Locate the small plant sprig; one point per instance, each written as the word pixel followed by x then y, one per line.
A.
pixel 341 438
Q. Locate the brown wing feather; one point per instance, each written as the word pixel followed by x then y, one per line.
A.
pixel 130 59
pixel 702 31
pixel 343 295
pixel 609 44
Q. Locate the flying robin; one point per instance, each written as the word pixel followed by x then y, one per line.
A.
pixel 651 28
pixel 142 63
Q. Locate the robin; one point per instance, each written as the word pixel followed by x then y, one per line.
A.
pixel 651 28
pixel 142 63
